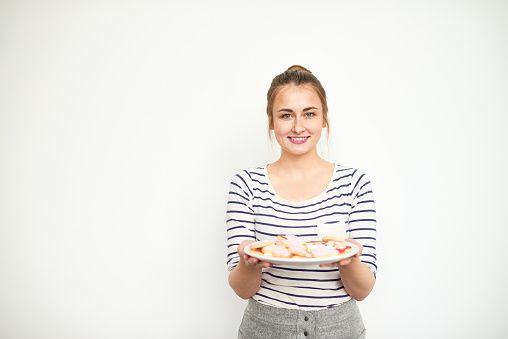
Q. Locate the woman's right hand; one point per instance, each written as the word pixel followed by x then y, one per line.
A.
pixel 248 260
pixel 245 278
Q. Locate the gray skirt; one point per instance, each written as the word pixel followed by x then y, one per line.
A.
pixel 340 322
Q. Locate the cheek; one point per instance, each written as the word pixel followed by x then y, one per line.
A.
pixel 282 128
pixel 316 127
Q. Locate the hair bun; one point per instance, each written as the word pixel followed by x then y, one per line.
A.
pixel 298 68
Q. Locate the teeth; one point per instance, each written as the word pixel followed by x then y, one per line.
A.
pixel 298 139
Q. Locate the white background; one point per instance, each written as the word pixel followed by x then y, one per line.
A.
pixel 122 123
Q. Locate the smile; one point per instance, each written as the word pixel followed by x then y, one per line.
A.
pixel 298 140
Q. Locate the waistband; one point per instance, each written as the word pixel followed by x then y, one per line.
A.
pixel 284 316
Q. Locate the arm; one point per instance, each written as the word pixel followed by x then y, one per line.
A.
pixel 358 273
pixel 358 276
pixel 245 278
pixel 245 272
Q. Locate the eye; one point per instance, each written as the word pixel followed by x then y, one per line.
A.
pixel 286 116
pixel 310 114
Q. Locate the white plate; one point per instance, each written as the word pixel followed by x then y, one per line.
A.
pixel 304 262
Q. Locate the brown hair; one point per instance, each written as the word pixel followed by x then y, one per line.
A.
pixel 297 75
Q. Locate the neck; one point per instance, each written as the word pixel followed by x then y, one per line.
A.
pixel 291 162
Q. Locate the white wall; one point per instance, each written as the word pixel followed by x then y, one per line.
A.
pixel 122 123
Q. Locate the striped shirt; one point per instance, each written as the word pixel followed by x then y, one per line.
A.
pixel 345 209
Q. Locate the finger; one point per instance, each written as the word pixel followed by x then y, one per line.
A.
pixel 344 262
pixel 253 261
pixel 335 264
pixel 265 264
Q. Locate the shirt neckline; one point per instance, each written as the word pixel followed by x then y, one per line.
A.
pixel 303 202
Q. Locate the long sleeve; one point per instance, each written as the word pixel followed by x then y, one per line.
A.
pixel 239 216
pixel 362 219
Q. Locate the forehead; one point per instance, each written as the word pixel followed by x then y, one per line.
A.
pixel 297 96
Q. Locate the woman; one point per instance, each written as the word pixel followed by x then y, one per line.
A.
pixel 305 195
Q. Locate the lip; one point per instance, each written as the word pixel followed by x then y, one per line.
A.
pixel 298 140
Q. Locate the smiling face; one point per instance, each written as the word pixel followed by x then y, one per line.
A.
pixel 297 119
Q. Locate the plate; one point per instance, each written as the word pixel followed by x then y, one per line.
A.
pixel 304 262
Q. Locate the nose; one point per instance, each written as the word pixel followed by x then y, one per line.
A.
pixel 298 126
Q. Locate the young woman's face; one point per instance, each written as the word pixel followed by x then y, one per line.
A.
pixel 297 119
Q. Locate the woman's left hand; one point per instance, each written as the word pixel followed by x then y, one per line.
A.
pixel 346 261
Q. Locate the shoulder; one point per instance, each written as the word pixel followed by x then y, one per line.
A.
pixel 250 176
pixel 250 173
pixel 342 171
pixel 346 170
pixel 350 174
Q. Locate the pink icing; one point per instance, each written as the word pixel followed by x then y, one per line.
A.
pixel 324 251
pixel 283 252
pixel 299 249
pixel 271 248
pixel 289 242
pixel 291 237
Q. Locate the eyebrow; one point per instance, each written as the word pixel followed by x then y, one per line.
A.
pixel 291 111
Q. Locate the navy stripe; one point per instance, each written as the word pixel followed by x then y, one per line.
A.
pixel 367 183
pixel 364 238
pixel 344 169
pixel 363 211
pixel 357 181
pixel 241 204
pixel 241 188
pixel 278 233
pixel 306 206
pixel 293 219
pixel 284 226
pixel 369 255
pixel 301 295
pixel 369 263
pixel 242 221
pixel 259 182
pixel 300 279
pixel 362 220
pixel 309 287
pixel 235 227
pixel 322 270
pixel 261 191
pixel 338 187
pixel 245 182
pixel 343 177
pixel 361 195
pixel 303 212
pixel 238 194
